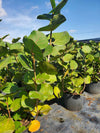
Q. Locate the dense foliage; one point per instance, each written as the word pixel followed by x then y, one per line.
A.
pixel 42 68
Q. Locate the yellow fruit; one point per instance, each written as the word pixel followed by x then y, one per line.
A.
pixel 34 126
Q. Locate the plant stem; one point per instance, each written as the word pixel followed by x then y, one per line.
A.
pixel 34 71
pixel 50 44
pixel 8 108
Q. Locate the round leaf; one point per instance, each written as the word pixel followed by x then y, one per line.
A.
pixel 73 64
pixel 39 38
pixel 7 126
pixel 16 105
pixel 86 49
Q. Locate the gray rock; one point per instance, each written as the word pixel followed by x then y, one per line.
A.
pixel 61 120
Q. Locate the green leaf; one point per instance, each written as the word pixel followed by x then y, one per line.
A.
pixel 35 95
pixel 90 70
pixel 56 50
pixel 26 102
pixel 68 57
pixel 54 23
pixel 57 9
pixel 10 88
pixel 90 57
pixel 28 77
pixel 7 126
pixel 39 38
pixel 40 78
pixel 17 124
pixel 87 79
pixel 53 4
pixel 4 62
pixel 52 78
pixel 17 116
pixel 31 47
pixel 46 90
pixel 21 129
pixel 48 50
pixel 23 60
pixel 57 92
pixel 16 105
pixel 86 49
pixel 60 38
pixel 77 81
pixel 16 46
pixel 16 40
pixel 73 64
pixel 2 43
pixel 46 67
pixel 4 36
pixel 3 51
pixel 45 17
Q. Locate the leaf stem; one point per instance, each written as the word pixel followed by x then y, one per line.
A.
pixel 8 108
pixel 50 44
pixel 34 71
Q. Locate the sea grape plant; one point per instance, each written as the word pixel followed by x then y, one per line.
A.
pixel 42 68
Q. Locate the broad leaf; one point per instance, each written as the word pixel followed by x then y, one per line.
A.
pixel 4 62
pixel 43 109
pixel 16 105
pixel 35 95
pixel 45 17
pixel 86 49
pixel 39 38
pixel 53 4
pixel 77 81
pixel 32 48
pixel 16 46
pixel 54 23
pixel 10 88
pixel 60 38
pixel 48 50
pixel 26 102
pixel 28 77
pixel 16 40
pixel 90 70
pixel 57 9
pixel 90 57
pixel 40 78
pixel 3 51
pixel 57 92
pixel 46 67
pixel 7 126
pixel 2 43
pixel 46 90
pixel 87 79
pixel 68 57
pixel 73 64
pixel 56 50
pixel 23 60
pixel 52 78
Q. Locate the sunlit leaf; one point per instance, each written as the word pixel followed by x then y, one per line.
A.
pixel 54 23
pixel 7 126
pixel 39 38
pixel 16 105
pixel 73 64
pixel 57 9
